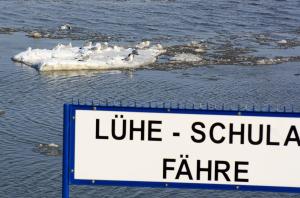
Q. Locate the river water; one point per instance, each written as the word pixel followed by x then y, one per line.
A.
pixel 33 101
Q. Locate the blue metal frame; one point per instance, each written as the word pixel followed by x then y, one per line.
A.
pixel 69 147
pixel 66 151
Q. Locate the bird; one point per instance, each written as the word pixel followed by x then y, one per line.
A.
pixel 135 52
pixel 66 27
pixel 105 45
pixel 159 46
pixel 83 58
pixel 130 56
pixel 84 55
pixel 97 47
pixel 143 45
pixel 58 46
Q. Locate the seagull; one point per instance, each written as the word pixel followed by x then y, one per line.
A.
pixel 159 46
pixel 58 46
pixel 143 45
pixel 105 46
pixel 83 58
pixel 130 56
pixel 84 55
pixel 135 52
pixel 97 47
pixel 65 27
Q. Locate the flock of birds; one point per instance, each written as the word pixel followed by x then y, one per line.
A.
pixel 88 48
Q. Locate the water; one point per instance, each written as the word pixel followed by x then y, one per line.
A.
pixel 33 101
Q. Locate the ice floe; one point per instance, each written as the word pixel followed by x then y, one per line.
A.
pixel 89 57
pixel 185 57
pixel 35 34
pixel 48 149
pixel 282 42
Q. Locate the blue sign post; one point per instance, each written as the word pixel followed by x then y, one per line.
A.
pixel 66 150
pixel 220 133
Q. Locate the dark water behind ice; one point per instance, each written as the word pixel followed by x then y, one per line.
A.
pixel 163 20
pixel 33 101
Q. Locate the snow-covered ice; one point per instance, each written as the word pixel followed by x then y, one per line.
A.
pixel 89 57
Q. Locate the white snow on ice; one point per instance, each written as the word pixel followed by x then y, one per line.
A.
pixel 90 57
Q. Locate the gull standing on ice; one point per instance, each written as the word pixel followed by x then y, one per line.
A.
pixel 130 56
pixel 97 47
pixel 105 45
pixel 85 52
pixel 143 45
pixel 84 57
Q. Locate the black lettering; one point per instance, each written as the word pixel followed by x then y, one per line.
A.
pixel 223 171
pixel 184 165
pixel 238 171
pixel 232 133
pixel 151 130
pixel 166 168
pixel 211 132
pixel 260 136
pixel 141 129
pixel 269 142
pixel 98 136
pixel 293 130
pixel 201 169
pixel 113 132
pixel 197 131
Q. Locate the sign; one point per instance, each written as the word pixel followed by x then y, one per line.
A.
pixel 159 147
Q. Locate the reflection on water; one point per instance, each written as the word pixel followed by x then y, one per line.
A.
pixel 78 73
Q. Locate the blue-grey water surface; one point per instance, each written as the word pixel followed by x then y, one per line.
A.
pixel 33 101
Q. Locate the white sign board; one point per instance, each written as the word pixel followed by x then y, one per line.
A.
pixel 187 148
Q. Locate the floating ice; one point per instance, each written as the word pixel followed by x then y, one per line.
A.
pixel 185 57
pixel 199 47
pixel 90 57
pixel 48 149
pixel 265 61
pixel 53 145
pixel 35 34
pixel 282 42
pixel 271 61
